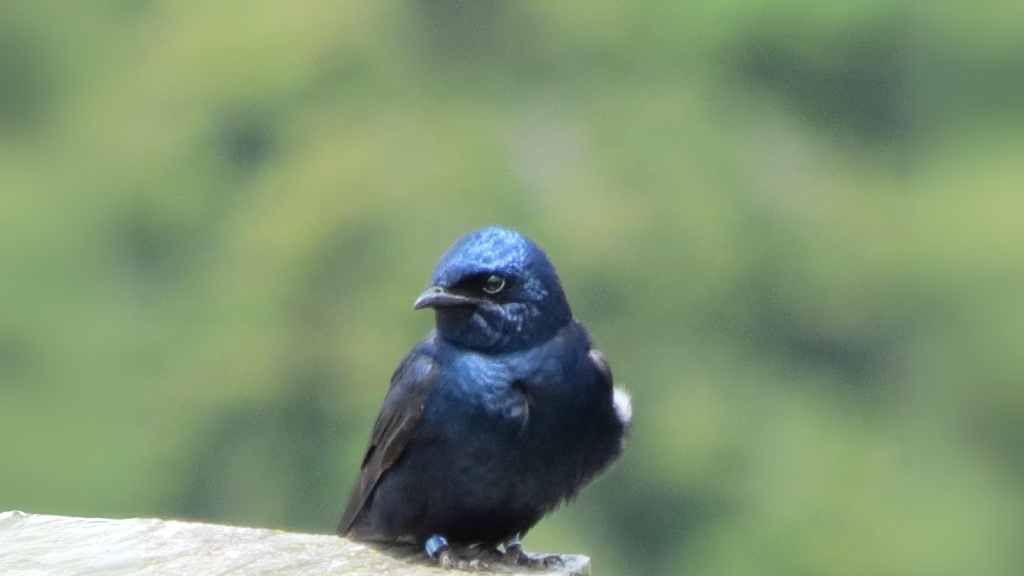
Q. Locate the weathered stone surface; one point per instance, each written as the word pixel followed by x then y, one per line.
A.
pixel 41 545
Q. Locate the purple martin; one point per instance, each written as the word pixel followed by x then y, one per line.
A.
pixel 504 410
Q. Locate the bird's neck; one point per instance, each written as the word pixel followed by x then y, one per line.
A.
pixel 495 333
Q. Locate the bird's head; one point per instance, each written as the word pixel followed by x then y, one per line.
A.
pixel 495 291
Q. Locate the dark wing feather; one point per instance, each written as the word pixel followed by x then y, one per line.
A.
pixel 403 406
pixel 599 361
pixel 621 401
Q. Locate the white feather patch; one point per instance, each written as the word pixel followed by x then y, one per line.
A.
pixel 623 404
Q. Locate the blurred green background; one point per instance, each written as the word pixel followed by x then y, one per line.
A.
pixel 796 229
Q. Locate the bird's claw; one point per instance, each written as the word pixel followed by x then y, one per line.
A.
pixel 449 560
pixel 552 562
pixel 446 558
pixel 487 560
pixel 514 555
pixel 549 562
pixel 438 548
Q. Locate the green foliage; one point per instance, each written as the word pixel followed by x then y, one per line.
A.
pixel 802 258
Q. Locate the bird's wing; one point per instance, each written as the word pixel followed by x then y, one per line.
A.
pixel 621 400
pixel 403 406
pixel 599 362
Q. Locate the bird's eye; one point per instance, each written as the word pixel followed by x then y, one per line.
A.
pixel 494 284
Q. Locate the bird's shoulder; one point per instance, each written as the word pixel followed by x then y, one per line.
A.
pixel 622 402
pixel 569 358
pixel 417 371
pixel 576 338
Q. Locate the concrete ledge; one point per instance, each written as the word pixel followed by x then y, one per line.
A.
pixel 41 545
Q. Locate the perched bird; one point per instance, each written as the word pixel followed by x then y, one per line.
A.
pixel 502 412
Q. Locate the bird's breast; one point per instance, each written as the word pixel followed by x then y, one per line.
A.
pixel 492 389
pixel 509 395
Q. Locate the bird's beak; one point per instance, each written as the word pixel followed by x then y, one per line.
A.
pixel 437 297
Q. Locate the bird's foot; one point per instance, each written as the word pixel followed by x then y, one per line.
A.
pixel 470 559
pixel 515 555
pixel 488 559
